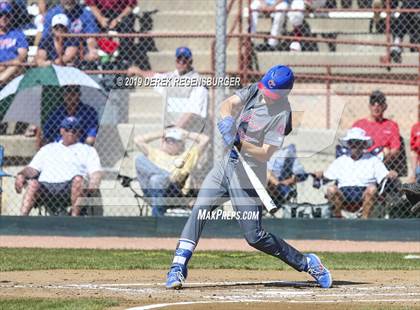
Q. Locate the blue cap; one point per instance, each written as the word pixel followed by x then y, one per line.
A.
pixel 183 51
pixel 5 8
pixel 71 122
pixel 277 82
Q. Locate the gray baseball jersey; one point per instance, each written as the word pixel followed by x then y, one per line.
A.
pixel 259 123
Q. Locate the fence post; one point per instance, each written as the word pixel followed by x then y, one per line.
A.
pixel 388 31
pixel 220 61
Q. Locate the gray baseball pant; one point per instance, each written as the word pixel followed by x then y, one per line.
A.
pixel 228 180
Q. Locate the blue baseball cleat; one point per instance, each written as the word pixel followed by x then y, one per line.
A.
pixel 176 276
pixel 318 271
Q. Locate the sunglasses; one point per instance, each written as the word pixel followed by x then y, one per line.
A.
pixel 356 142
pixel 171 141
pixel 377 102
pixel 72 130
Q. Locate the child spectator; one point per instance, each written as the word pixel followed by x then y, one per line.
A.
pixel 81 21
pixel 55 49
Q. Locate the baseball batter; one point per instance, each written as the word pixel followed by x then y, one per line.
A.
pixel 257 130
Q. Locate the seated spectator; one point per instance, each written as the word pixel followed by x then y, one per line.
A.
pixel 72 106
pixel 59 170
pixel 414 174
pixel 284 171
pixel 412 192
pixel 13 46
pixel 116 15
pixel 356 174
pixel 186 107
pixel 407 23
pixel 167 166
pixel 43 6
pixel 384 132
pixel 57 50
pixel 81 21
pixel 277 28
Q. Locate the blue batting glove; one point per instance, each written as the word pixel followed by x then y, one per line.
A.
pixel 225 125
pixel 228 139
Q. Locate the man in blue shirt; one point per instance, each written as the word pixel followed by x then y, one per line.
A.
pixel 13 46
pixel 54 49
pixel 72 107
pixel 81 21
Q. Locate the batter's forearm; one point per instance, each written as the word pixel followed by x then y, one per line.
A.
pixel 228 105
pixel 260 153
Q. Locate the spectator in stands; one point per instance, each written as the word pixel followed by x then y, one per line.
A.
pixel 72 106
pixel 43 6
pixel 59 170
pixel 116 15
pixel 384 132
pixel 169 166
pixel 357 175
pixel 82 21
pixel 54 49
pixel 406 23
pixel 414 175
pixel 284 171
pixel 13 46
pixel 186 106
pixel 296 19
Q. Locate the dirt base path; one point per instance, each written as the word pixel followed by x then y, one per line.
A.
pixel 222 289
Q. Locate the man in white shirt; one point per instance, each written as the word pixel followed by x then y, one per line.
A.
pixel 185 107
pixel 356 174
pixel 59 169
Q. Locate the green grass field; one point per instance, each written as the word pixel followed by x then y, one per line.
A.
pixel 57 304
pixel 42 259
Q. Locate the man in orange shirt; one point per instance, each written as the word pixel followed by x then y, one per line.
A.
pixel 384 132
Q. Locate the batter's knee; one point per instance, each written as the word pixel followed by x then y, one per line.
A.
pixel 254 238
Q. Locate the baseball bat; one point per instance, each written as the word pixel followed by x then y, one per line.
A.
pixel 257 185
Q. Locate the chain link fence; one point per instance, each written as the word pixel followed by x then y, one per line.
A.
pixel 157 143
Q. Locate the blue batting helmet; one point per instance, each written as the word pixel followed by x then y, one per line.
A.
pixel 277 82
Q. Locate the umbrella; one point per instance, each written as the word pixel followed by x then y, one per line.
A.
pixel 31 97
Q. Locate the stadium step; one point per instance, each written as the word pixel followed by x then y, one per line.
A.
pixel 163 61
pixel 18 146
